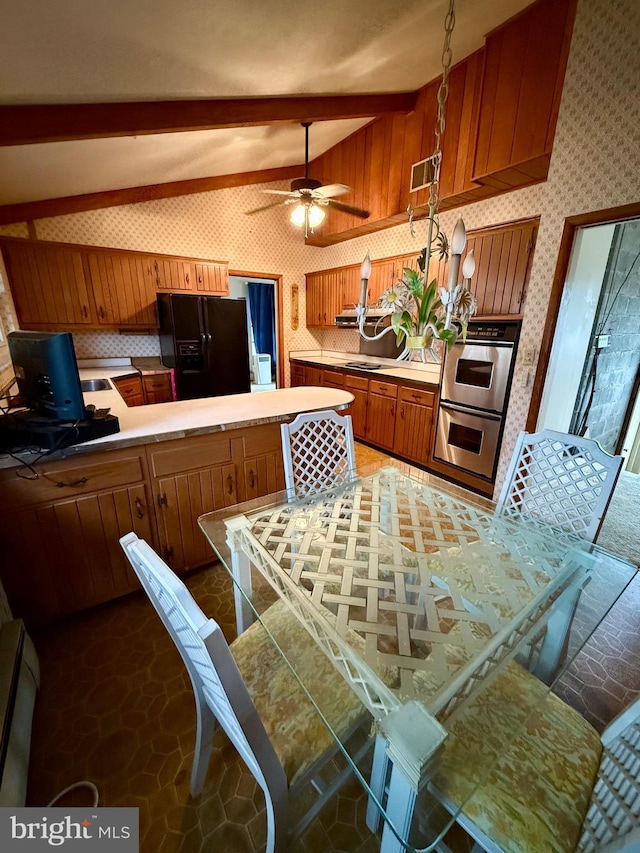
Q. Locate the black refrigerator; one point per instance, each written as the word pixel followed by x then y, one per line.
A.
pixel 204 339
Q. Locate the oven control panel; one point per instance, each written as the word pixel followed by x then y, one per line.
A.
pixel 500 331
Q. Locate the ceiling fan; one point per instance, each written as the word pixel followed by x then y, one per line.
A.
pixel 310 197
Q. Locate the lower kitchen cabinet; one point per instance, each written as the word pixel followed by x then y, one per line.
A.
pixel 387 414
pixel 414 424
pixel 59 533
pixel 130 389
pixel 61 554
pixel 381 413
pixel 359 387
pixel 157 388
pixel 192 476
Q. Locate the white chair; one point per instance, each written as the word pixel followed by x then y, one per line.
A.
pixel 249 689
pixel 560 479
pixel 556 785
pixel 567 482
pixel 318 452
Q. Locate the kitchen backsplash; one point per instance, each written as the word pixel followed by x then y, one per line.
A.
pixel 110 344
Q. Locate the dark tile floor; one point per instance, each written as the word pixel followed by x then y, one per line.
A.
pixel 116 708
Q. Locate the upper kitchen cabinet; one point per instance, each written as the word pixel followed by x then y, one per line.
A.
pixel 500 115
pixel 503 257
pixel 48 284
pixel 188 276
pixel 60 284
pixel 123 293
pixel 524 67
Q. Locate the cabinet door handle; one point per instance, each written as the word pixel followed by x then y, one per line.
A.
pixel 101 312
pixel 186 278
pixel 139 508
pixel 85 313
pixel 252 479
pixel 393 411
pixel 230 484
pixel 402 413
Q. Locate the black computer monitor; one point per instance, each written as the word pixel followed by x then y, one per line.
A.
pixel 47 374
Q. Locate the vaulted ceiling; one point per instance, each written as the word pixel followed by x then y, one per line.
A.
pixel 207 92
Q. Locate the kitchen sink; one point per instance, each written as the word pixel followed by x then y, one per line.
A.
pixel 95 384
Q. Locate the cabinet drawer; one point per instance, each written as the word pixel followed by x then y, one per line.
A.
pixel 130 389
pixel 80 476
pixel 413 395
pixel 157 382
pixel 186 454
pixel 386 389
pixel 333 379
pixel 357 382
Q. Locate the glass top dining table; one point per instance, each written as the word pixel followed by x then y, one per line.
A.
pixel 421 595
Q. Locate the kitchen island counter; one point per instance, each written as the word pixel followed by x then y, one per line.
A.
pixel 62 514
pixel 183 418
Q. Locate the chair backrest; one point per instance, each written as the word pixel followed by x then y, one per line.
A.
pixel 214 675
pixel 612 821
pixel 318 452
pixel 561 479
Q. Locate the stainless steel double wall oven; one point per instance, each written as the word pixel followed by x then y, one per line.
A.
pixel 476 382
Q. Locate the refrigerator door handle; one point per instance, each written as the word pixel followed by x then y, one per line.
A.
pixel 203 340
pixel 208 337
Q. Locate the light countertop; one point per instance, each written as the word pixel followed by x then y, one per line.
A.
pixel 390 369
pixel 164 421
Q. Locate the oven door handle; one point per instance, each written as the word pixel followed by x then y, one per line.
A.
pixel 466 410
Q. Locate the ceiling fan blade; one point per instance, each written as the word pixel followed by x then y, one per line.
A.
pixel 278 192
pixel 332 190
pixel 347 208
pixel 265 207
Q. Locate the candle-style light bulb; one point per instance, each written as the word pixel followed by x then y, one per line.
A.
pixel 458 238
pixel 468 267
pixel 365 275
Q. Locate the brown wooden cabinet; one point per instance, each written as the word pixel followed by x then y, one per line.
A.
pixel 124 295
pixel 192 476
pixel 59 533
pixel 359 387
pixel 157 388
pixel 298 375
pixel 130 389
pixel 501 116
pixel 48 284
pixel 414 424
pixel 524 69
pixel 503 256
pixel 333 378
pixel 56 284
pixel 381 413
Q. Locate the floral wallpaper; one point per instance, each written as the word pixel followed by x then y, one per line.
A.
pixel 595 165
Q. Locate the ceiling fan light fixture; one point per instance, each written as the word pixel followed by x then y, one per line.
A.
pixel 308 213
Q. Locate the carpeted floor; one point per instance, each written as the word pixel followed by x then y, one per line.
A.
pixel 619 532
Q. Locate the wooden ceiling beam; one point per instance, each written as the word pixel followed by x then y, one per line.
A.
pixel 26 124
pixel 28 211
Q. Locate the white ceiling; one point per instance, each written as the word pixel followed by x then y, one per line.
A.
pixel 97 51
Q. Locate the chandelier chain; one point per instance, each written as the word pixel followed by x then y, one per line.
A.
pixel 443 94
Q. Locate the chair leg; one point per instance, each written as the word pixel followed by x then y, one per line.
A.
pixel 205 730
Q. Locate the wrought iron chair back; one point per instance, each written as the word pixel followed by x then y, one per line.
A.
pixel 318 452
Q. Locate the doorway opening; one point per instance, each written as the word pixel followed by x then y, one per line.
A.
pixel 264 307
pixel 592 379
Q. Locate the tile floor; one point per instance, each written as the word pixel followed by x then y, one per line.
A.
pixel 116 707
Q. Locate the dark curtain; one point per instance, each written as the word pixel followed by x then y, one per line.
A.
pixel 262 308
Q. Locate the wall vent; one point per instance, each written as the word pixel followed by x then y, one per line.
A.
pixel 423 173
